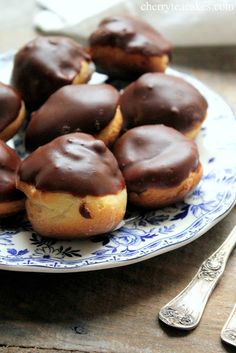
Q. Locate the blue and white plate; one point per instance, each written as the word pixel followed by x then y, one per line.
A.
pixel 151 233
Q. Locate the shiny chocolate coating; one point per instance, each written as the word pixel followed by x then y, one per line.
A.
pixel 10 104
pixel 44 65
pixel 76 163
pixel 9 162
pixel 130 34
pixel 85 108
pixel 157 98
pixel 155 156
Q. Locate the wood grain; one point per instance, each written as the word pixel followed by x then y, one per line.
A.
pixel 116 310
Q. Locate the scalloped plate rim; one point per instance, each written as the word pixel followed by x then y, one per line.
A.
pixel 122 263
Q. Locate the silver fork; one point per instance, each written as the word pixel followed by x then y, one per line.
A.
pixel 186 309
pixel 228 333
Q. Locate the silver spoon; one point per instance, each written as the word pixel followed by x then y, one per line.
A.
pixel 185 310
pixel 228 333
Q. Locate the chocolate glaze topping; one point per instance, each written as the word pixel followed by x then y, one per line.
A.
pixel 131 34
pixel 155 156
pixel 85 108
pixel 157 98
pixel 10 104
pixel 9 162
pixel 76 164
pixel 44 65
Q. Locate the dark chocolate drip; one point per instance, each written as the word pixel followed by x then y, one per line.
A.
pixel 9 162
pixel 44 65
pixel 84 211
pixel 156 98
pixel 131 34
pixel 10 104
pixel 85 108
pixel 75 163
pixel 155 156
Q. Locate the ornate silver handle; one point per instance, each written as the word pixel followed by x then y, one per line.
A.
pixel 228 333
pixel 185 310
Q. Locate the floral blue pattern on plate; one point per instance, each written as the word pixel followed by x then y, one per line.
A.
pixel 147 234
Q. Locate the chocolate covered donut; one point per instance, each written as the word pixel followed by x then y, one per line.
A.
pixel 159 164
pixel 11 199
pixel 47 63
pixel 157 98
pixel 74 187
pixel 87 108
pixel 12 111
pixel 124 46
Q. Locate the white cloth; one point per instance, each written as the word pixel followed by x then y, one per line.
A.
pixel 184 23
pixel 77 18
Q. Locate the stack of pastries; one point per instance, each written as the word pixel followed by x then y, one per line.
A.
pixel 93 150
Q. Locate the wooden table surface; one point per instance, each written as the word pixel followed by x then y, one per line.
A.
pixel 116 310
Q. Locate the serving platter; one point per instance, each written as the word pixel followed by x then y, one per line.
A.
pixel 143 234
